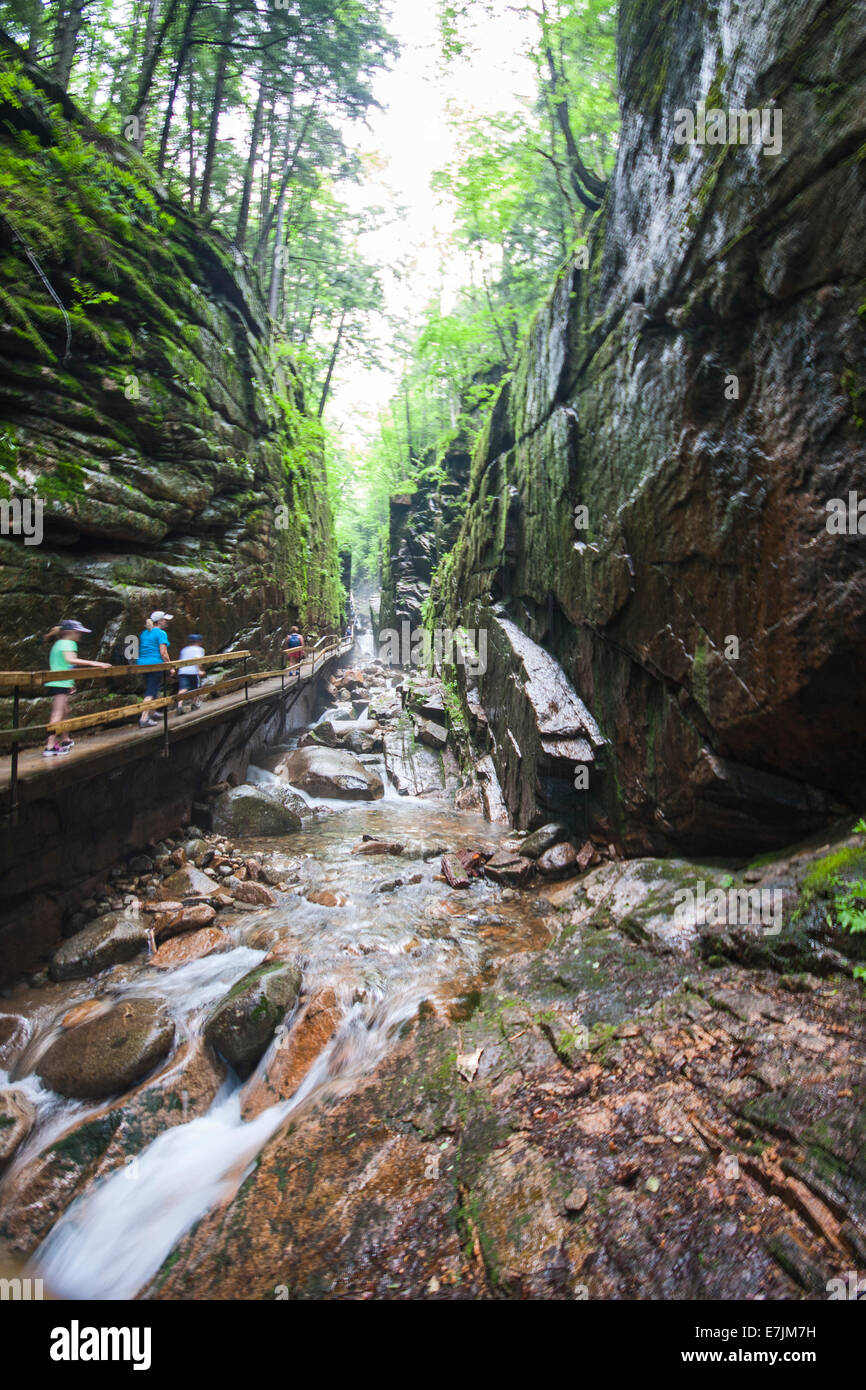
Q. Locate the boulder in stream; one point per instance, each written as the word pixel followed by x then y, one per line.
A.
pixel 108 941
pixel 559 860
pixel 180 950
pixel 109 1053
pixel 332 772
pixel 543 839
pixel 17 1117
pixel 294 1055
pixel 429 732
pixel 242 1025
pixel 264 809
pixel 188 882
pixel 508 867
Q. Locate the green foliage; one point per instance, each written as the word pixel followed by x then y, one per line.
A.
pixel 517 219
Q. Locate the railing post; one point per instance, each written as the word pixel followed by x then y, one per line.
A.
pixel 165 747
pixel 246 683
pixel 13 765
pixel 282 671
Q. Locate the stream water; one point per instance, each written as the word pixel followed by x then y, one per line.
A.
pixel 382 951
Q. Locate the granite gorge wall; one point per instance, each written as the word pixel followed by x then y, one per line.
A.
pixel 699 389
pixel 423 525
pixel 143 403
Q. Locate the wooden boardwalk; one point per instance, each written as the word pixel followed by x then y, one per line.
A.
pixel 114 747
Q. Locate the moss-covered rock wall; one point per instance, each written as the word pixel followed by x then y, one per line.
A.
pixel 697 387
pixel 423 524
pixel 145 403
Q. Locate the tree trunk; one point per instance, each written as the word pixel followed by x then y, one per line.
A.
pixel 148 70
pixel 249 172
pixel 175 83
pixel 150 32
pixel 35 31
pixel 589 189
pixel 267 176
pixel 277 265
pixel 192 158
pixel 216 111
pixel 69 21
pixel 332 364
pixel 408 421
pixel 288 170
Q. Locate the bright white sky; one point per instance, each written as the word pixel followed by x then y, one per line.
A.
pixel 406 142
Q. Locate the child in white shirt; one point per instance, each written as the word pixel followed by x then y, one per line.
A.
pixel 189 677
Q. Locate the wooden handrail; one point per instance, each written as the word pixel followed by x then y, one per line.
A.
pixel 311 659
pixel 205 692
pixel 10 679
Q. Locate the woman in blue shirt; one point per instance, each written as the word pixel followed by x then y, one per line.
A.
pixel 152 648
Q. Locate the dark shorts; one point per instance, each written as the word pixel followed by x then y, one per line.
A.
pixel 59 689
pixel 152 685
pixel 188 683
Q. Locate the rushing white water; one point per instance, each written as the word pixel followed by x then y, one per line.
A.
pixel 382 957
pixel 113 1239
pixel 259 776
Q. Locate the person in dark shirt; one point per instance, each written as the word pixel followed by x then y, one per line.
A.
pixel 294 645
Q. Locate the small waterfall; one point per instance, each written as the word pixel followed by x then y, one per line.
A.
pixel 114 1238
pixel 382 956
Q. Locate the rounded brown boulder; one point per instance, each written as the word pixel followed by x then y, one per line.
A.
pixel 332 772
pixel 110 1053
pixel 110 940
pixel 243 1024
pixel 558 861
pixel 17 1118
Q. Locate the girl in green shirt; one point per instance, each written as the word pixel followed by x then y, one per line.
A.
pixel 63 658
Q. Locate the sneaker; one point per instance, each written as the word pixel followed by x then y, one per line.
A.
pixel 181 709
pixel 147 723
pixel 61 749
pixel 196 704
pixel 66 744
pixel 50 752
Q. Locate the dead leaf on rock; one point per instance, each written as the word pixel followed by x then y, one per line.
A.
pixel 467 1064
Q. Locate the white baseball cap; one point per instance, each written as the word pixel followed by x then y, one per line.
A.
pixel 160 617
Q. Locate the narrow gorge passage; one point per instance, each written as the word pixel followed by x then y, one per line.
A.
pixel 378 938
pixel 398 1054
pixel 432 827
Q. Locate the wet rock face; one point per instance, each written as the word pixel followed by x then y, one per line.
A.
pixel 613 1117
pixel 17 1117
pixel 543 839
pixel 180 950
pixel 159 447
pixel 241 1027
pixel 332 772
pixel 95 1144
pixel 423 526
pixel 258 810
pixel 108 1053
pixel 294 1054
pixel 107 941
pixel 698 389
